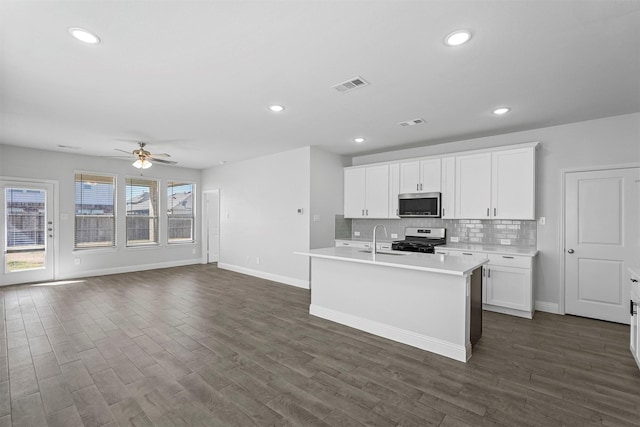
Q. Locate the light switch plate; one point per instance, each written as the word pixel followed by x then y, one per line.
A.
pixel 542 220
pixel 455 239
pixel 505 241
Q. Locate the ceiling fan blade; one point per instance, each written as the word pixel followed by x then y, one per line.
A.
pixel 160 154
pixel 123 151
pixel 166 162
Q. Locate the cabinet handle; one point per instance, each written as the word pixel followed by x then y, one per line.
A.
pixel 397 212
pixel 367 211
pixel 465 253
pixel 495 211
pixel 488 272
pixel 443 210
pixel 362 212
pixel 487 211
pixel 631 304
pixel 420 187
pixel 634 280
pixel 507 257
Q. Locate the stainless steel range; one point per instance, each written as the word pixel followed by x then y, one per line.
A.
pixel 421 239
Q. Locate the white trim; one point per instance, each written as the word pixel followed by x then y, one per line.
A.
pixel 510 311
pixel 563 220
pixel 205 225
pixel 423 342
pixel 305 284
pixel 128 269
pixel 547 307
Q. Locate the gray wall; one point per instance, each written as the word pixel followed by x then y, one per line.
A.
pixel 594 143
pixel 17 162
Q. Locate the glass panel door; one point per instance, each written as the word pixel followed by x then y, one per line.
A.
pixel 27 235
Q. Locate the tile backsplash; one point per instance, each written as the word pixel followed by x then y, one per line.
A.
pixel 487 232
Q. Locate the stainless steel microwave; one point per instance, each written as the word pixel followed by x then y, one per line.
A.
pixel 422 205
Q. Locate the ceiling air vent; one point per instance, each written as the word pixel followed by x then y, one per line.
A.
pixel 351 84
pixel 412 122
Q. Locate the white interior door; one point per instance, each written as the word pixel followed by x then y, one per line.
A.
pixel 602 238
pixel 27 233
pixel 212 200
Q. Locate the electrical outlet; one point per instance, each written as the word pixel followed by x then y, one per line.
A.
pixel 356 233
pixel 394 235
pixel 454 239
pixel 542 220
pixel 76 261
pixel 505 241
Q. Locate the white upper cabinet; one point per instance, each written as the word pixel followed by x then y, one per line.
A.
pixel 473 186
pixel 366 192
pixel 513 184
pixel 448 187
pixel 420 176
pixel 394 189
pixel 498 184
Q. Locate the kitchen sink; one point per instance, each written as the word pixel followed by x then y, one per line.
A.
pixel 368 251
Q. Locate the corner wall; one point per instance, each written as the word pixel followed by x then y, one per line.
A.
pixel 260 227
pixel 594 143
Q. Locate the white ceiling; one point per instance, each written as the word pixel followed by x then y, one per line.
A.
pixel 194 78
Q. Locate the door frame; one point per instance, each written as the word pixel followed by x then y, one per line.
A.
pixel 205 224
pixel 563 219
pixel 55 250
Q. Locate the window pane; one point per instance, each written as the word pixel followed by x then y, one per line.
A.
pixel 25 237
pixel 95 211
pixel 142 211
pixel 180 213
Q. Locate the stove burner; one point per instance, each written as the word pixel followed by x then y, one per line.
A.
pixel 421 240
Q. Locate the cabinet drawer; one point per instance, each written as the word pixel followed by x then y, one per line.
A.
pixel 467 253
pixel 510 260
pixel 353 244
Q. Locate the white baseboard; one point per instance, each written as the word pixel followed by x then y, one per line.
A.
pixel 548 307
pixel 264 275
pixel 127 269
pixel 434 345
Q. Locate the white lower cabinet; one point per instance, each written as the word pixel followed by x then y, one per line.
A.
pixel 634 308
pixel 508 285
pixel 507 282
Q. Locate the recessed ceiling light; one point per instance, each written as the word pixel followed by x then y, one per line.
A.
pixel 276 108
pixel 500 111
pixel 84 35
pixel 457 38
pixel 359 140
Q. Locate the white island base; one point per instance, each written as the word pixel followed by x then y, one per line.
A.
pixel 408 299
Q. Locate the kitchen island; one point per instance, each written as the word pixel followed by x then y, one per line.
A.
pixel 433 302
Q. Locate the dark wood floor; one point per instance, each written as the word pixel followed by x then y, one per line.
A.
pixel 202 346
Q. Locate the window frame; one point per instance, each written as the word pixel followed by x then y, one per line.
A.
pixel 169 185
pixel 149 243
pixel 114 215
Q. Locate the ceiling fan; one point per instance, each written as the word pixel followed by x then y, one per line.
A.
pixel 145 159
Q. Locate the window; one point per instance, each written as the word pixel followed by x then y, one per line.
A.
pixel 142 211
pixel 95 221
pixel 180 213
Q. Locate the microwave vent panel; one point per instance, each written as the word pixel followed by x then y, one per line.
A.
pixel 351 84
pixel 412 122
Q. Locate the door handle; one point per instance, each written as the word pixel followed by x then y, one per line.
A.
pixel 570 251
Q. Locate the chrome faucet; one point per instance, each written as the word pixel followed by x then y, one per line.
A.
pixel 374 248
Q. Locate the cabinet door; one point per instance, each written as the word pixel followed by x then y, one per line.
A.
pixel 473 186
pixel 410 177
pixel 394 189
pixel 448 187
pixel 509 287
pixel 430 176
pixel 377 192
pixel 354 192
pixel 513 184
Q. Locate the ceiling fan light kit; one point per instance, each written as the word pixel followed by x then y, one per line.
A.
pixel 142 164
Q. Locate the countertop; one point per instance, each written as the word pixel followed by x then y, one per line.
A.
pixel 475 247
pixel 457 266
